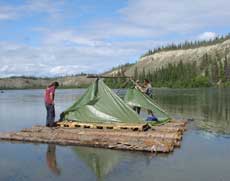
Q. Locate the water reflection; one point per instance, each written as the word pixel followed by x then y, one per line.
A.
pixel 104 162
pixel 100 161
pixel 51 159
pixel 216 112
pixel 209 107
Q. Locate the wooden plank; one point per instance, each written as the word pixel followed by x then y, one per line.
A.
pixel 114 126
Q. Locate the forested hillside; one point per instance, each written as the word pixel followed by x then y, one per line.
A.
pixel 194 64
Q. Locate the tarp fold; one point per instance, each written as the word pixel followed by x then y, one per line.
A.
pixel 101 104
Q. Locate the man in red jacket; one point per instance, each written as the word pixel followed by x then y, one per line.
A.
pixel 49 103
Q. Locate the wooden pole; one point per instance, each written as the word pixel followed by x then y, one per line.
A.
pixel 102 76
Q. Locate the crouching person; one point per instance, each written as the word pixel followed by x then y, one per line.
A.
pixel 49 103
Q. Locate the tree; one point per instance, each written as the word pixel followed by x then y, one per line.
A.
pixel 215 72
pixel 135 73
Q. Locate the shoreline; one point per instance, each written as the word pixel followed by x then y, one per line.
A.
pixel 85 86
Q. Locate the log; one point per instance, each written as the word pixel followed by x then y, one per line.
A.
pixel 168 129
pixel 176 123
pixel 113 133
pixel 89 140
pixel 163 139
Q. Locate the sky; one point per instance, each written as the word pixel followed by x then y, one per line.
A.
pixel 66 37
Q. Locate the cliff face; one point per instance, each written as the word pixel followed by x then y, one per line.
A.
pixel 23 82
pixel 162 59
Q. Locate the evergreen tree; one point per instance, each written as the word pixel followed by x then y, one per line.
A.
pixel 215 72
pixel 135 73
pixel 222 76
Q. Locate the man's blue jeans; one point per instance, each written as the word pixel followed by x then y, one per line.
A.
pixel 50 115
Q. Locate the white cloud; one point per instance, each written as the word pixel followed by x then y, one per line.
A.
pixel 68 36
pixel 150 19
pixel 21 69
pixel 51 60
pixel 99 44
pixel 207 36
pixel 29 7
pixel 7 12
pixel 167 16
pixel 68 69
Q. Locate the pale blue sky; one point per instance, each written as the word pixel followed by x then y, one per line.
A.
pixel 60 37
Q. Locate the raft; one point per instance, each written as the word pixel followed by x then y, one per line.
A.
pixel 163 138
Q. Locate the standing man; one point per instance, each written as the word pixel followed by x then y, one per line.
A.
pixel 49 102
pixel 147 88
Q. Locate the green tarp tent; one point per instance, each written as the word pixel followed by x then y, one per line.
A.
pixel 101 104
pixel 135 97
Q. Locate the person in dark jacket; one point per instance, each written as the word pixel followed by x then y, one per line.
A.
pixel 147 88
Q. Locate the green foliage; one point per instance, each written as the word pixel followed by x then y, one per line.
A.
pixel 116 83
pixel 200 81
pixel 135 73
pixel 227 84
pixel 177 76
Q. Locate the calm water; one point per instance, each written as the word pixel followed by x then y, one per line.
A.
pixel 204 155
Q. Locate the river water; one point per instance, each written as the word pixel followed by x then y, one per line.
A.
pixel 204 154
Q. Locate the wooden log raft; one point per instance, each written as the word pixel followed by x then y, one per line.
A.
pixel 158 140
pixel 172 126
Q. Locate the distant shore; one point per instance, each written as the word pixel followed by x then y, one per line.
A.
pixel 78 82
pixel 67 82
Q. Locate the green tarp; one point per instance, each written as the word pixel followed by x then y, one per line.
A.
pixel 101 104
pixel 135 97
